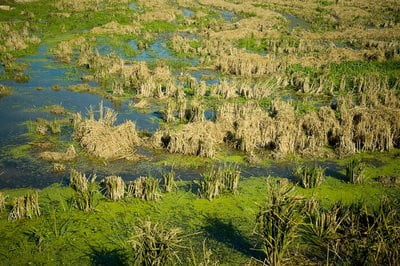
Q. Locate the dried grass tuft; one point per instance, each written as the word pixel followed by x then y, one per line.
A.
pixel 68 155
pixel 103 140
pixel 25 207
pixel 114 187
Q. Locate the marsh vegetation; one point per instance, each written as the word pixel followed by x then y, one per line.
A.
pixel 200 132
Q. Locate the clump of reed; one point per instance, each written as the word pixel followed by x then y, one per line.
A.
pixel 309 176
pixel 284 130
pixel 210 185
pixel 196 112
pixel 54 126
pixel 355 171
pixel 133 77
pixel 100 138
pixel 85 5
pixel 169 112
pixel 168 179
pixel 58 168
pixel 2 202
pixel 219 180
pixel 114 187
pixel 44 126
pixel 199 138
pixel 231 176
pixel 15 37
pixel 249 65
pixel 25 207
pixel 5 91
pixel 85 190
pixel 277 222
pixel 152 244
pixel 63 52
pixel 355 235
pixel 322 230
pixel 145 188
pixel 68 155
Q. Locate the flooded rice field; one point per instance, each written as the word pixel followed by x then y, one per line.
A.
pixel 219 132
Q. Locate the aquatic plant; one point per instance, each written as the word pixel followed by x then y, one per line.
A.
pixel 5 91
pixel 85 190
pixel 309 176
pixel 231 177
pixel 355 171
pixel 63 52
pixel 68 155
pixel 322 231
pixel 210 184
pixel 215 181
pixel 114 187
pixel 152 244
pixel 58 168
pixel 277 222
pixel 354 234
pixel 54 126
pixel 25 207
pixel 169 180
pixel 145 188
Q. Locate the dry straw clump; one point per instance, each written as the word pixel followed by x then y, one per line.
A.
pixel 123 76
pixel 77 5
pixel 2 202
pixel 249 65
pixel 15 37
pixel 114 27
pixel 68 155
pixel 103 140
pixel 5 91
pixel 199 138
pixel 157 10
pixel 114 187
pixel 64 50
pixel 25 207
pixel 347 128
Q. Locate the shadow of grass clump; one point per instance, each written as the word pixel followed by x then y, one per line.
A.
pixel 104 256
pixel 227 234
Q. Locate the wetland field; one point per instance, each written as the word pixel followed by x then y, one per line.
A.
pixel 199 132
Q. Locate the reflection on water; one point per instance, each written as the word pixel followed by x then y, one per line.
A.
pixel 296 22
pixel 187 12
pixel 229 16
pixel 133 6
